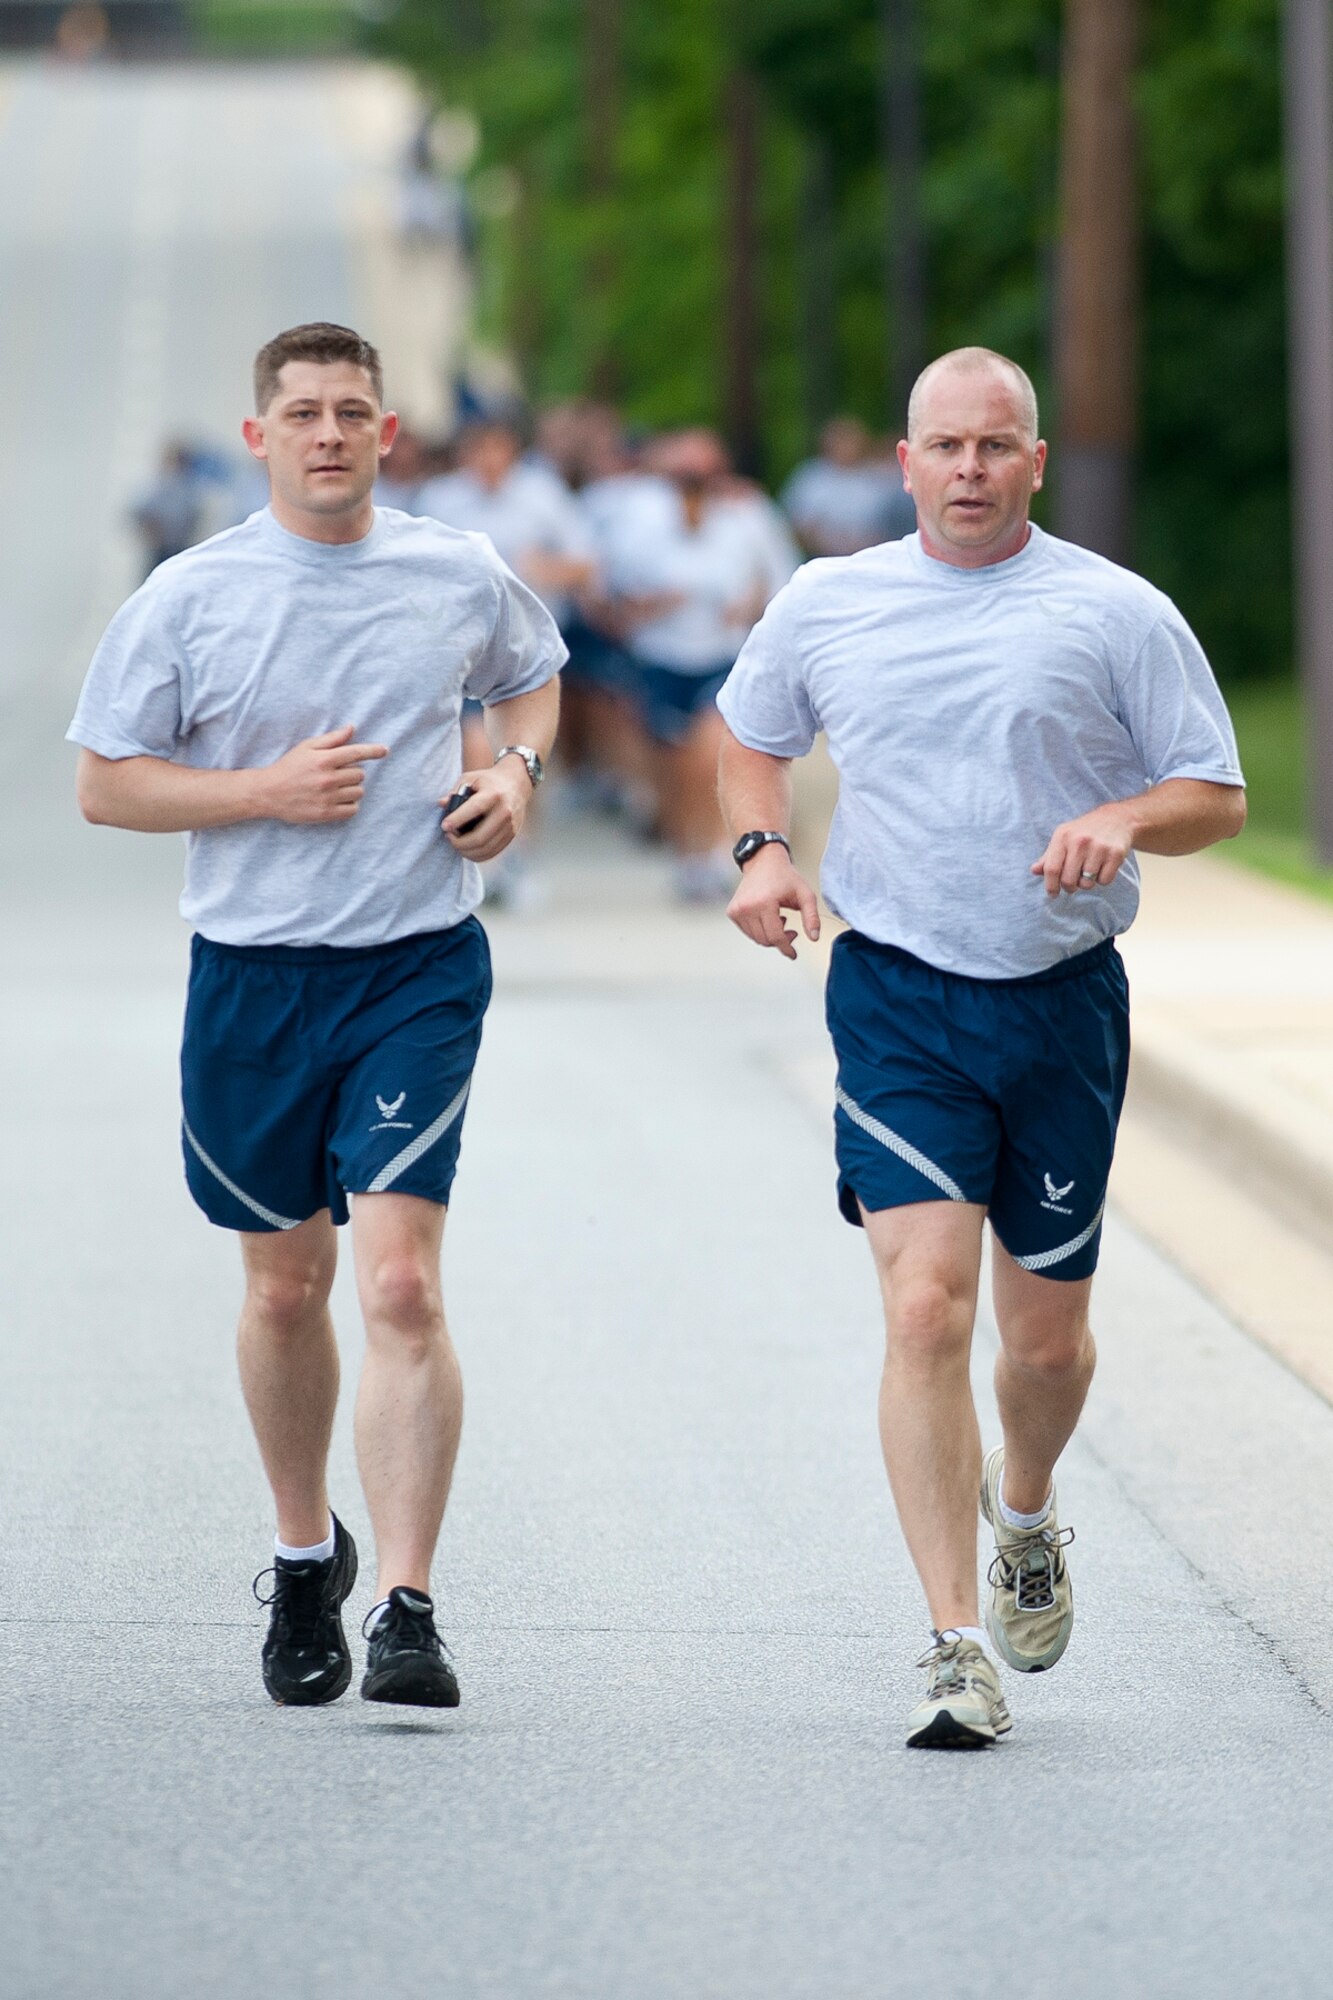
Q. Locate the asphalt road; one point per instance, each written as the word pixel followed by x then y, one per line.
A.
pixel 682 1618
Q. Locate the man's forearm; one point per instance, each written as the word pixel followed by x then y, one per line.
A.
pixel 1177 817
pixel 529 719
pixel 1184 815
pixel 754 789
pixel 153 795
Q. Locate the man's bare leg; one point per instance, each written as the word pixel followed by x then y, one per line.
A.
pixel 1042 1375
pixel 687 788
pixel 289 1369
pixel 928 1258
pixel 409 1408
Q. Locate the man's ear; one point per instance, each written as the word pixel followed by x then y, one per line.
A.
pixel 252 430
pixel 388 432
pixel 902 460
pixel 1039 465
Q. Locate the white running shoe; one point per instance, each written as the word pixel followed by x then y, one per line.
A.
pixel 1030 1610
pixel 963 1707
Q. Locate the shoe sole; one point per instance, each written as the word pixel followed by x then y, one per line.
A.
pixel 344 1680
pixel 945 1732
pixel 411 1687
pixel 295 1699
pixel 1019 1663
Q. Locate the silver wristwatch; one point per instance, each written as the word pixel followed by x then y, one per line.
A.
pixel 535 768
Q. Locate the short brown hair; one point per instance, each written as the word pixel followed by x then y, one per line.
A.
pixel 319 340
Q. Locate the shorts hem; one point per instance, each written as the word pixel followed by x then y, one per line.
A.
pixel 421 1194
pixel 850 1203
pixel 257 1226
pixel 1080 1264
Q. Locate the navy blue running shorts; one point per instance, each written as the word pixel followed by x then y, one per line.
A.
pixel 670 700
pixel 1003 1092
pixel 311 1072
pixel 595 661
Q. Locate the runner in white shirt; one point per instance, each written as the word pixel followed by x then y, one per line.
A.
pixel 533 523
pixel 775 547
pixel 843 500
pixel 287 695
pixel 1011 718
pixel 605 755
pixel 689 582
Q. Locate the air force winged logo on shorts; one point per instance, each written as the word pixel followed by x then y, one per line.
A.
pixel 1054 1195
pixel 389 1119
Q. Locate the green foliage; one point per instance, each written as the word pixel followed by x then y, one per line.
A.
pixel 638 278
pixel 1270 729
pixel 275 27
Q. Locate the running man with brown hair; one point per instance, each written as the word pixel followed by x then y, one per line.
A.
pixel 1011 718
pixel 287 694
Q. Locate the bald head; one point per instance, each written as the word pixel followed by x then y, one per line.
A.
pixel 963 361
pixel 972 459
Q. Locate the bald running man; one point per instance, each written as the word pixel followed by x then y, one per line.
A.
pixel 1012 718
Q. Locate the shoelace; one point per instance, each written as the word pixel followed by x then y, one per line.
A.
pixel 296 1601
pixel 949 1669
pixel 1033 1583
pixel 417 1628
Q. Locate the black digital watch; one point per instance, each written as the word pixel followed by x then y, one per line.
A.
pixel 749 845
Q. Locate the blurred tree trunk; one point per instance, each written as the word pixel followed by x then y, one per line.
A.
pixel 819 287
pixel 527 314
pixel 1309 137
pixel 740 113
pixel 1097 330
pixel 602 44
pixel 904 258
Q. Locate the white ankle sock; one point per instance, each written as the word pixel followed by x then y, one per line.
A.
pixel 1013 1520
pixel 320 1553
pixel 374 1615
pixel 979 1635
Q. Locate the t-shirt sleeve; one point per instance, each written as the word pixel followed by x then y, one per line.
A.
pixel 132 701
pixel 764 701
pixel 1173 708
pixel 524 649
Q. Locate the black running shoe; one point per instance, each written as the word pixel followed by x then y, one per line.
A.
pixel 405 1656
pixel 306 1656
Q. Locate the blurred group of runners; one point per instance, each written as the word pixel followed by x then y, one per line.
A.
pixel 654 556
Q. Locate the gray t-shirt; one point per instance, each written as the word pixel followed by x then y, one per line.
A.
pixel 244 646
pixel 970 712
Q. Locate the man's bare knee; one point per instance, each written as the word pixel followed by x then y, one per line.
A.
pixel 1046 1346
pixel 1043 1321
pixel 929 1321
pixel 401 1298
pixel 287 1302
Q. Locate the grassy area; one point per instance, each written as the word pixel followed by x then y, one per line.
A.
pixel 1271 729
pixel 275 27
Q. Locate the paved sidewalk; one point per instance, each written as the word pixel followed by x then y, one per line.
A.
pixel 1233 997
pixel 1226 1158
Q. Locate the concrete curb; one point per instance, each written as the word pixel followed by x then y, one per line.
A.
pixel 1272 1146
